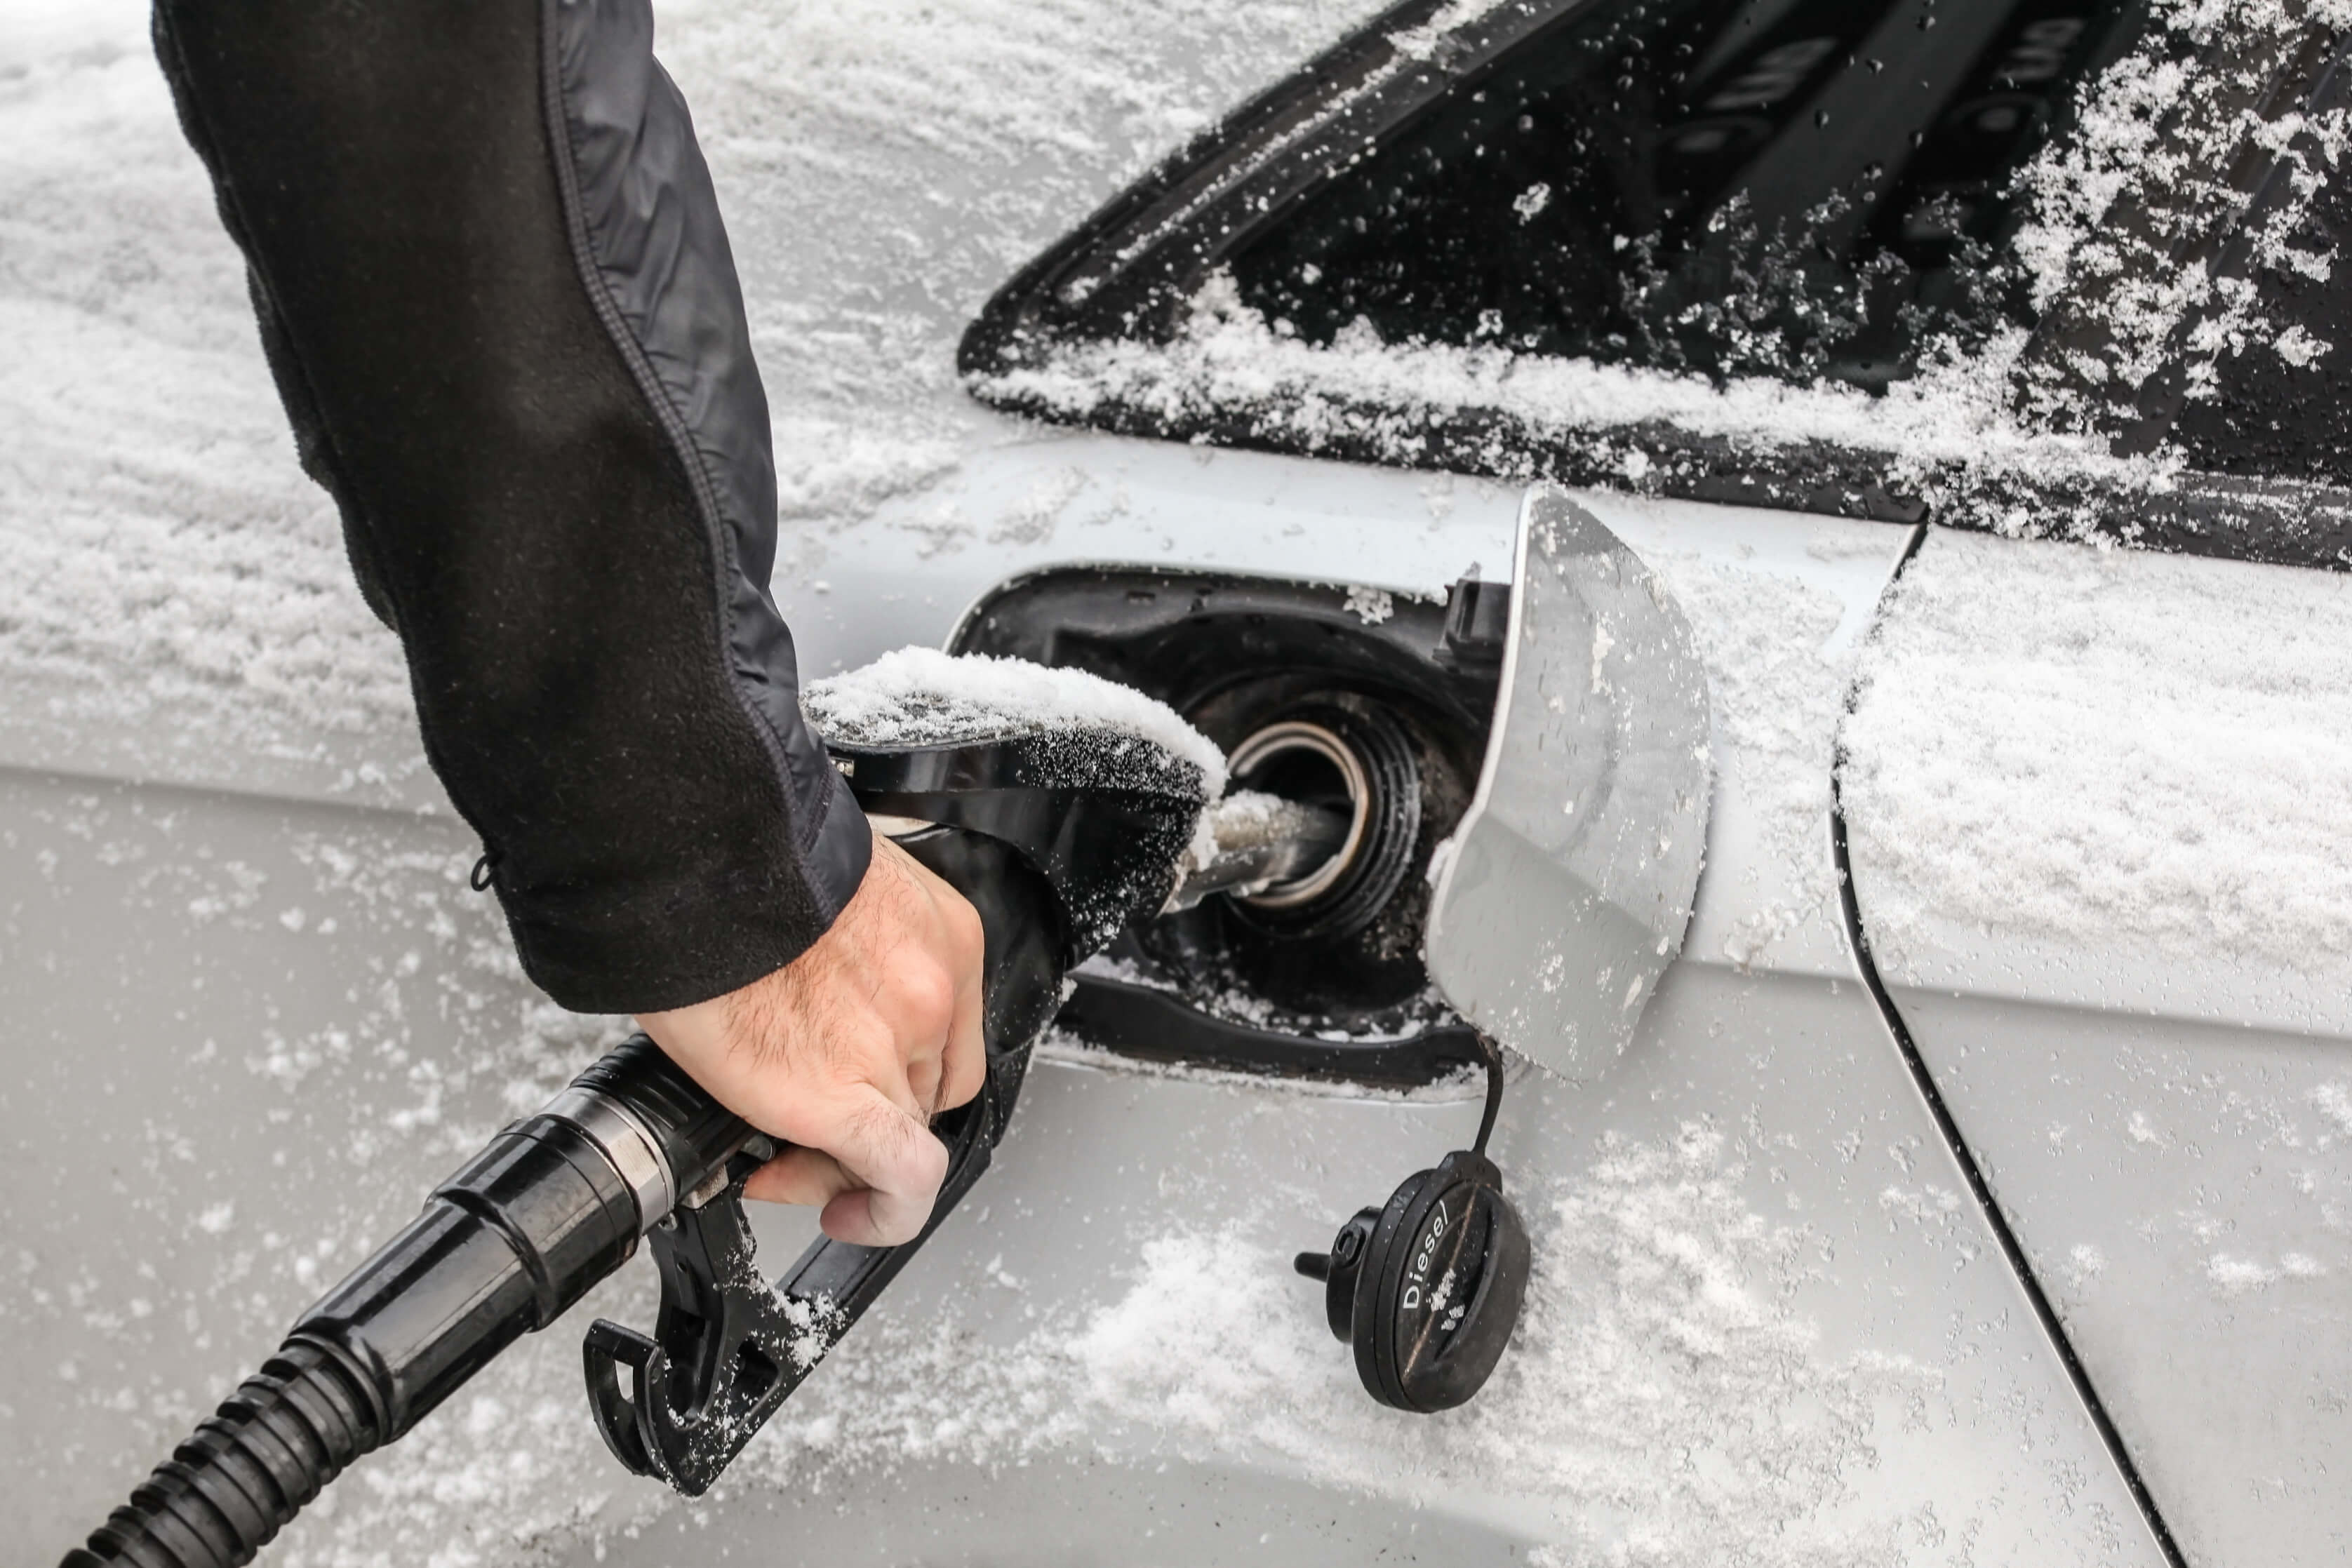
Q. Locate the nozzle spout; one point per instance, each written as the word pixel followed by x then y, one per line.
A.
pixel 1252 841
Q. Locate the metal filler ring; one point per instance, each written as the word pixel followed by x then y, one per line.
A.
pixel 1297 735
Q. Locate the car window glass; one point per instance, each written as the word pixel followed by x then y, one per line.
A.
pixel 1796 188
pixel 2058 268
pixel 2280 402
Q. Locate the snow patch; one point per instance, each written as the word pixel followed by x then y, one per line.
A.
pixel 2299 347
pixel 2236 1276
pixel 1655 1325
pixel 1370 605
pixel 2199 800
pixel 920 696
pixel 2084 1263
pixel 2334 1102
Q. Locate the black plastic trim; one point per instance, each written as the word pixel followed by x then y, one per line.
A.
pixel 1233 653
pixel 1146 1025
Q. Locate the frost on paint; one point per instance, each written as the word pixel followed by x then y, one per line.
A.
pixel 1668 1401
pixel 2207 813
pixel 883 165
pixel 1779 687
pixel 1662 1403
pixel 162 556
pixel 1660 1396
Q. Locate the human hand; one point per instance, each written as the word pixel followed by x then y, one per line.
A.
pixel 848 1051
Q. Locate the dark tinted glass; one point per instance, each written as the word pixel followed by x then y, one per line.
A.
pixel 1793 187
pixel 2274 417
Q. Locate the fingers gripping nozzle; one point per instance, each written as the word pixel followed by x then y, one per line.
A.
pixel 1057 840
pixel 728 1348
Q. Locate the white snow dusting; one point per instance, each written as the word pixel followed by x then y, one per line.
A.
pixel 2234 1276
pixel 1778 686
pixel 2122 210
pixel 920 696
pixel 1370 605
pixel 159 548
pixel 1660 1395
pixel 1228 357
pixel 2097 746
pixel 883 166
pixel 1660 1399
pixel 2109 209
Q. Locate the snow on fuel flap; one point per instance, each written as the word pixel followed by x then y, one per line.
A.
pixel 1644 698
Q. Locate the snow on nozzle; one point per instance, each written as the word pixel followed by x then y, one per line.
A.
pixel 1099 787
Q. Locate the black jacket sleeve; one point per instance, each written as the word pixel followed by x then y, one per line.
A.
pixel 495 291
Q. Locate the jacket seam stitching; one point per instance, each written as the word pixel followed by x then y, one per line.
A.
pixel 555 109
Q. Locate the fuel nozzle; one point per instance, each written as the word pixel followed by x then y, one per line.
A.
pixel 1253 843
pixel 1057 804
pixel 1321 828
pixel 519 1232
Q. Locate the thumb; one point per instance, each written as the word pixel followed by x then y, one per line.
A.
pixel 899 1163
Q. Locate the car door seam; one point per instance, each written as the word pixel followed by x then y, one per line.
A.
pixel 1858 943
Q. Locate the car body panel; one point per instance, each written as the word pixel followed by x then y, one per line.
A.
pixel 68 724
pixel 910 572
pixel 1765 1326
pixel 260 1013
pixel 1768 1321
pixel 2096 810
pixel 1779 602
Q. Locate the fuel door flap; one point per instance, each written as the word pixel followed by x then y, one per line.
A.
pixel 1564 894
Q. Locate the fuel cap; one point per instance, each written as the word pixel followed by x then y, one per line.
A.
pixel 1428 1288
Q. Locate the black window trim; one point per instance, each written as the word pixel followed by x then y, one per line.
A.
pixel 1130 270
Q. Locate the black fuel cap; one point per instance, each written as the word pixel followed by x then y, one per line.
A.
pixel 1429 1288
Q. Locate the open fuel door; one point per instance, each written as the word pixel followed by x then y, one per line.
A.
pixel 1568 884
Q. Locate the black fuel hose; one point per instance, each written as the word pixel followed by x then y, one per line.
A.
pixel 553 1205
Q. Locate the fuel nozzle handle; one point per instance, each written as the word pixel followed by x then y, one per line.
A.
pixel 550 1205
pixel 1058 837
pixel 521 1231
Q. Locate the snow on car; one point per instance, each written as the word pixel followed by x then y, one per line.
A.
pixel 1972 1186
